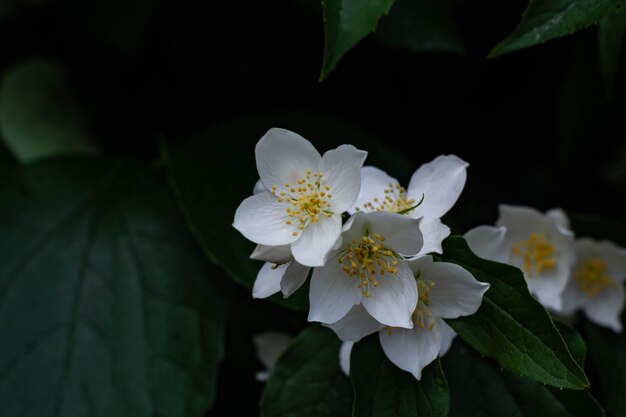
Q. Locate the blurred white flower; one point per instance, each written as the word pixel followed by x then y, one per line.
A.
pixel 439 183
pixel 446 291
pixel 269 347
pixel 596 283
pixel 304 197
pixel 368 267
pixel 539 244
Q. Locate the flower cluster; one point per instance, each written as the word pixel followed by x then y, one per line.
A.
pixel 565 274
pixel 366 239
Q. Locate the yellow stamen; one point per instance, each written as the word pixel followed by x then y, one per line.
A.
pixel 537 254
pixel 592 277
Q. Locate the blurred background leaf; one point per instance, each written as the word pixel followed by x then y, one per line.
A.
pixel 106 305
pixel 39 114
pixel 610 35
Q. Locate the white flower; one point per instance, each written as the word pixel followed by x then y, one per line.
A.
pixel 368 267
pixel 445 291
pixel 279 273
pixel 269 347
pixel 304 197
pixel 438 182
pixel 539 244
pixel 596 283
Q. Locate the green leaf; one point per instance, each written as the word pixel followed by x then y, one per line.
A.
pixel 39 114
pixel 107 308
pixel 420 26
pixel 381 389
pixel 610 35
pixel 574 341
pixel 511 325
pixel 607 352
pixel 479 388
pixel 346 23
pixel 307 381
pixel 544 20
pixel 222 173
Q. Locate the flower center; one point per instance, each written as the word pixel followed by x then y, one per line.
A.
pixel 422 316
pixel 365 259
pixel 592 277
pixel 537 253
pixel 306 200
pixel 395 200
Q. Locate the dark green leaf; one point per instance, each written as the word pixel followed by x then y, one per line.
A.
pixel 381 389
pixel 511 325
pixel 307 381
pixel 479 388
pixel 610 35
pixel 107 308
pixel 39 114
pixel 607 352
pixel 574 341
pixel 346 23
pixel 420 26
pixel 549 19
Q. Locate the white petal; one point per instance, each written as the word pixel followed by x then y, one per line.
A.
pixel 294 277
pixel 332 293
pixel 441 182
pixel 283 157
pixel 344 357
pixel 521 222
pixel 355 325
pixel 456 292
pixel 446 339
pixel 267 281
pixel 559 217
pixel 276 254
pixel 262 376
pixel 434 232
pixel 374 182
pixel 393 301
pixel 317 240
pixel 413 349
pixel 270 345
pixel 614 256
pixel 259 187
pixel 489 242
pixel 572 298
pixel 402 233
pixel 262 219
pixel 342 170
pixel 606 308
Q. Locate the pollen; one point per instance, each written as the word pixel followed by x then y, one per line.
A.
pixel 592 277
pixel 307 199
pixel 366 259
pixel 395 200
pixel 537 254
pixel 422 316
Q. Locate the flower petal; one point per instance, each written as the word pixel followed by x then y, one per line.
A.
pixel 606 308
pixel 332 293
pixel 434 232
pixel 259 187
pixel 294 277
pixel 355 325
pixel 270 345
pixel 413 349
pixel 344 356
pixel 283 157
pixel 489 242
pixel 267 281
pixel 393 301
pixel 402 233
pixel 446 339
pixel 262 219
pixel 317 240
pixel 342 170
pixel 374 182
pixel 614 256
pixel 276 254
pixel 559 217
pixel 441 182
pixel 455 293
pixel 572 298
